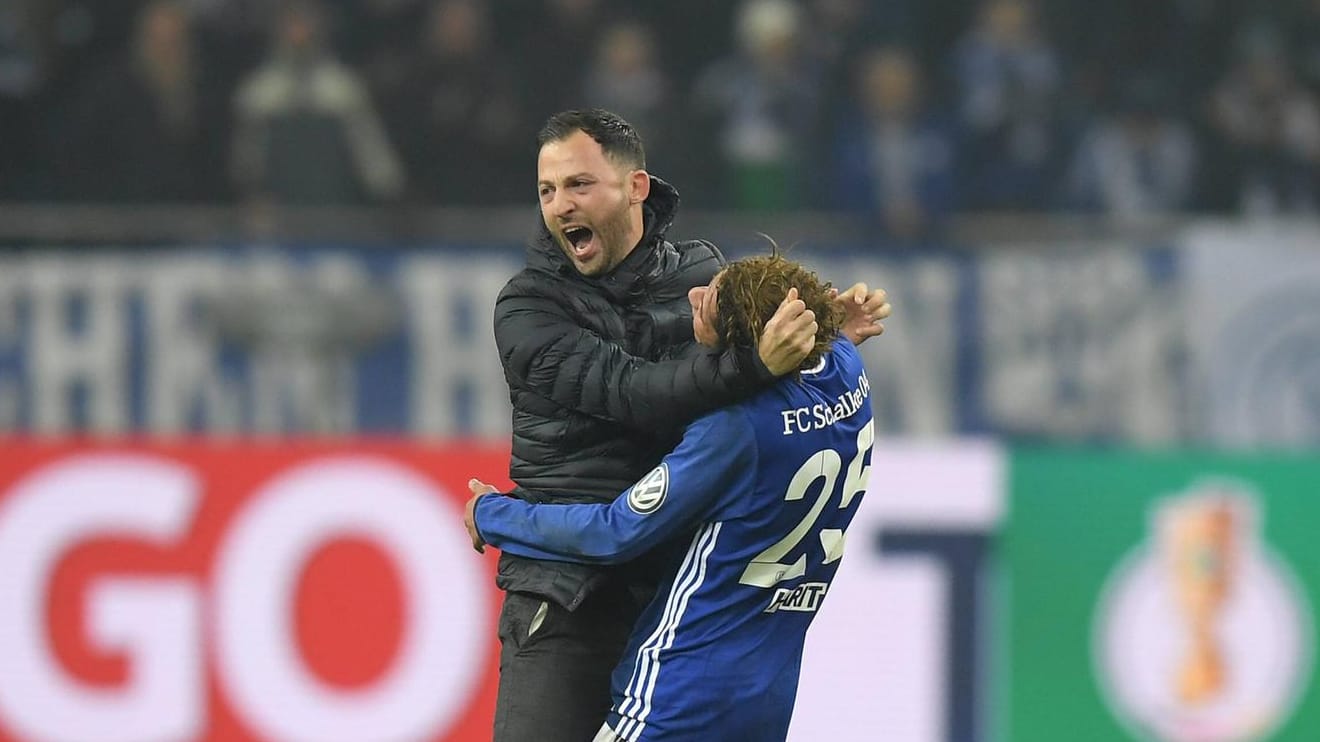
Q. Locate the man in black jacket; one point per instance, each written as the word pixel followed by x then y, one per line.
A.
pixel 595 337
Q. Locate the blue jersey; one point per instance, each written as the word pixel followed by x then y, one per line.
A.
pixel 770 484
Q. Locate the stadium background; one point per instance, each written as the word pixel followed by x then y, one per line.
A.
pixel 246 366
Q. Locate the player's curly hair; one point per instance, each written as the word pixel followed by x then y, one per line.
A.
pixel 752 289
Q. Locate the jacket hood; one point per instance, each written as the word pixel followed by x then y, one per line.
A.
pixel 658 212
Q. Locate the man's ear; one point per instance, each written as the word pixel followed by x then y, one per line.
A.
pixel 639 186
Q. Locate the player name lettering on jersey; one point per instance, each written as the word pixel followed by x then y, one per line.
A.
pixel 805 598
pixel 815 417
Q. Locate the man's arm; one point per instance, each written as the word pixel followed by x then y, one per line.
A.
pixel 716 458
pixel 545 351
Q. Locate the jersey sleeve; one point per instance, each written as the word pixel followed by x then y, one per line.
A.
pixel 715 461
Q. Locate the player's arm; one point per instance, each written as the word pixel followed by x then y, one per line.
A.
pixel 545 351
pixel 715 459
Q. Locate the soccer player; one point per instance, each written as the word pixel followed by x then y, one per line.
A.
pixel 770 485
pixel 595 338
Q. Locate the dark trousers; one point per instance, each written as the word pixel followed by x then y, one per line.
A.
pixel 555 665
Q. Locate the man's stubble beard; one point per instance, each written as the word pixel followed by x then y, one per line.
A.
pixel 614 243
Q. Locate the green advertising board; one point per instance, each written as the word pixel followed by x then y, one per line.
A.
pixel 1160 598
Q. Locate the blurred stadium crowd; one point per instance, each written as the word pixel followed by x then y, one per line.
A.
pixel 904 111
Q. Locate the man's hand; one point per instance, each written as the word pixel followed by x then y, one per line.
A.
pixel 864 310
pixel 789 335
pixel 479 490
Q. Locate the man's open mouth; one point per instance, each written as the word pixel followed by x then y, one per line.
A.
pixel 579 238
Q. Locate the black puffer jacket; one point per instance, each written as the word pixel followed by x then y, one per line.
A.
pixel 603 375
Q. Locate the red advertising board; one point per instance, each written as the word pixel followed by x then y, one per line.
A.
pixel 244 591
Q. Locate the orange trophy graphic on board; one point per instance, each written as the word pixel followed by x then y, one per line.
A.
pixel 1202 630
pixel 1201 540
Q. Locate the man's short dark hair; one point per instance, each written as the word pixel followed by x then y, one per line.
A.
pixel 619 140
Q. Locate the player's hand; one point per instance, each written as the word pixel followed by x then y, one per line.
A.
pixel 479 490
pixel 789 335
pixel 863 311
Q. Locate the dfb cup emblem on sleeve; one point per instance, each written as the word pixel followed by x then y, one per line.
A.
pixel 649 493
